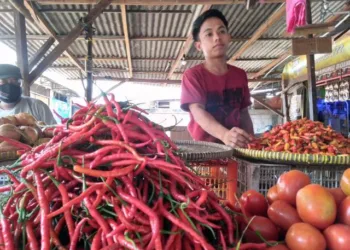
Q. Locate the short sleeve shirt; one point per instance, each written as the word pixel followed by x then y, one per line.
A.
pixel 32 106
pixel 223 96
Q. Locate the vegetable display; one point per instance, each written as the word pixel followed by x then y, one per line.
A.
pixel 20 132
pixel 303 137
pixel 110 179
pixel 310 217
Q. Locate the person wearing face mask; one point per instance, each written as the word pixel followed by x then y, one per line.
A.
pixel 11 100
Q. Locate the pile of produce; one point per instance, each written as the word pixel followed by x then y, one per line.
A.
pixel 20 132
pixel 302 214
pixel 110 179
pixel 303 137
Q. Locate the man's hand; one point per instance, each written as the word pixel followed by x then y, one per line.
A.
pixel 237 138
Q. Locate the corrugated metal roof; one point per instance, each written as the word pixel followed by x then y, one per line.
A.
pixel 143 65
pixel 243 22
pixel 251 66
pixel 154 49
pixel 263 49
pixel 157 21
pixel 160 24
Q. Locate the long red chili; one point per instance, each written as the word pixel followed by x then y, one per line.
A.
pixel 97 242
pixel 154 219
pixel 33 243
pixel 99 219
pixel 15 143
pixel 76 200
pixel 45 222
pixel 6 233
pixel 185 227
pixel 75 238
pixel 102 173
pixel 227 219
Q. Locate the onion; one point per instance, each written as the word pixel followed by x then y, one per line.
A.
pixel 29 134
pixel 5 120
pixel 25 119
pixel 13 120
pixel 10 131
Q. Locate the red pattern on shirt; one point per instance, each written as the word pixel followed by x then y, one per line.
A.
pixel 223 96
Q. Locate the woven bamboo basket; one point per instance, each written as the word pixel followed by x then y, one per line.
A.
pixel 290 158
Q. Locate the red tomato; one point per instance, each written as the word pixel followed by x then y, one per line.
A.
pixel 344 211
pixel 345 182
pixel 290 183
pixel 283 214
pixel 254 203
pixel 304 236
pixel 316 206
pixel 263 225
pixel 272 194
pixel 279 247
pixel 338 195
pixel 338 237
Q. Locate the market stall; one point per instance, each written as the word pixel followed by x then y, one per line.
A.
pixel 332 72
pixel 115 179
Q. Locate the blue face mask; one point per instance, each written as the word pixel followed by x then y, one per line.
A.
pixel 10 93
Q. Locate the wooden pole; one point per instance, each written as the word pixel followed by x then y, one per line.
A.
pixel 126 35
pixel 311 72
pixel 21 50
pixel 285 102
pixel 89 64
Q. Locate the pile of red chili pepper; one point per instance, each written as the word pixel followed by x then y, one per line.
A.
pixel 303 137
pixel 110 179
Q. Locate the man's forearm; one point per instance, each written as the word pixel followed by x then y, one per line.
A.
pixel 209 123
pixel 246 122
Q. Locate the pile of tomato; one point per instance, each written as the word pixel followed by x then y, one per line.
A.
pixel 297 214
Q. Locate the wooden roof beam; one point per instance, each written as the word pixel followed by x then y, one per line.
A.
pixel 49 9
pixel 259 32
pixel 152 2
pixel 121 38
pixel 137 80
pixel 114 59
pixel 126 35
pixel 41 21
pixel 40 53
pixel 186 46
pixel 65 43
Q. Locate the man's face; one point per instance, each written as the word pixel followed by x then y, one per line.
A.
pixel 11 80
pixel 213 38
